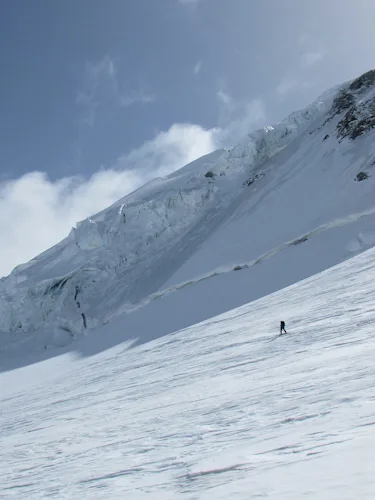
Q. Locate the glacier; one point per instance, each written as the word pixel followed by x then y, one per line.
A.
pixel 228 228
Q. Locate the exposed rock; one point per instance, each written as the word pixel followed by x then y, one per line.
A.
pixel 345 100
pixel 239 268
pixel 300 240
pixel 357 121
pixel 358 106
pixel 252 179
pixel 364 81
pixel 361 176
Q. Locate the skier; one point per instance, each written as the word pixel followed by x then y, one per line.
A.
pixel 282 327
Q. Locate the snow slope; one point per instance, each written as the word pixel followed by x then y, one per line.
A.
pixel 216 411
pixel 280 206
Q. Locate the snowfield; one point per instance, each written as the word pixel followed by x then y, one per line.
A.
pixel 216 411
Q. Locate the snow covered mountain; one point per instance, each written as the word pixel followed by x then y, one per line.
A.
pixel 214 412
pixel 286 202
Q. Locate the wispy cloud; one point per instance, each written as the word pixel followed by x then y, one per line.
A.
pixel 312 50
pixel 89 106
pixel 237 117
pixel 290 83
pixel 311 58
pixel 299 78
pixel 102 88
pixel 100 80
pixel 224 98
pixel 197 68
pixel 245 117
pixel 138 97
pixel 287 84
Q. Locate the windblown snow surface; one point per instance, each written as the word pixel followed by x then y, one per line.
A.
pixel 229 228
pixel 217 411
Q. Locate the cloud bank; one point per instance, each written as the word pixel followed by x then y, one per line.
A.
pixel 36 212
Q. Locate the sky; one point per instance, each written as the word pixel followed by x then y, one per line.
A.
pixel 99 96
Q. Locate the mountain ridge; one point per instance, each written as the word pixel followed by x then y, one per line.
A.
pixel 155 238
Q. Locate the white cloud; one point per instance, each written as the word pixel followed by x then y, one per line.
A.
pixel 224 98
pixel 168 151
pixel 313 51
pixel 286 85
pixel 236 118
pixel 102 88
pixel 299 79
pixel 197 68
pixel 311 58
pixel 241 118
pixel 289 84
pixel 35 212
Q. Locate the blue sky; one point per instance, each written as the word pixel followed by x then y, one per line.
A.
pixel 118 91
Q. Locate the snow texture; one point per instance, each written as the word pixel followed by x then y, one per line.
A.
pixel 215 411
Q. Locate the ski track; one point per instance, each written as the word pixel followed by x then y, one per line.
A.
pixel 212 412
